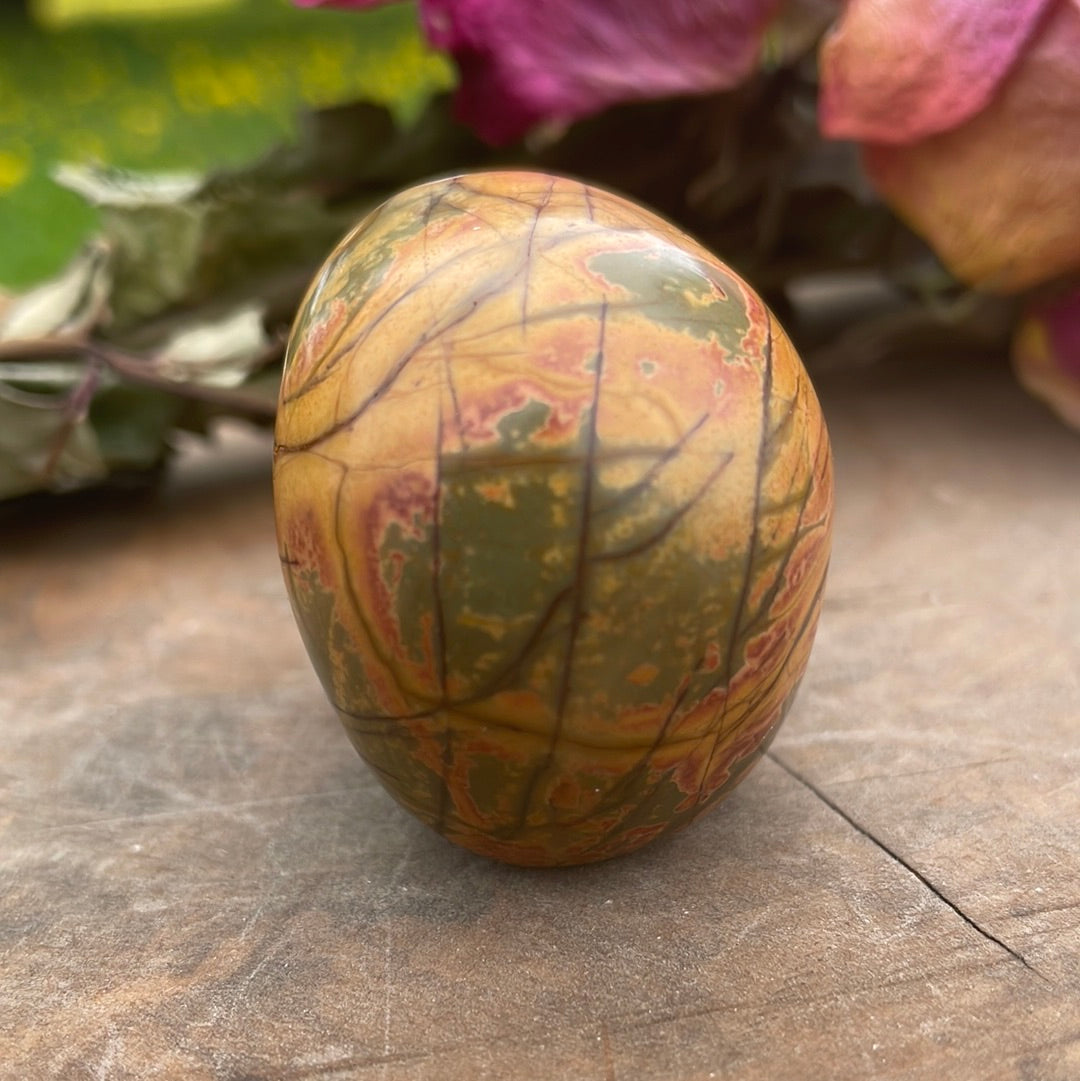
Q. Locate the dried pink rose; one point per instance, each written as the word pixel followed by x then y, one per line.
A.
pixel 1046 354
pixel 970 115
pixel 523 62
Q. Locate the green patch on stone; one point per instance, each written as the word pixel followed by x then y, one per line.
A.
pixel 328 645
pixel 509 538
pixel 365 264
pixel 314 609
pixel 668 610
pixel 516 429
pixel 506 570
pixel 654 602
pixel 498 787
pixel 391 752
pixel 653 803
pixel 677 291
pixel 406 563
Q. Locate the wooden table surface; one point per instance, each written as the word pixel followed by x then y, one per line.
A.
pixel 200 879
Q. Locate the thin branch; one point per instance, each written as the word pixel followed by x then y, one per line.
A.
pixel 76 406
pixel 136 369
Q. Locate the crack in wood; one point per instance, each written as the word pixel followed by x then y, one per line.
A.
pixel 909 867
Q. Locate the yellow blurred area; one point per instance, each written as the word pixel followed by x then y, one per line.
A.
pixel 15 164
pixel 204 81
pixel 58 13
pixel 176 85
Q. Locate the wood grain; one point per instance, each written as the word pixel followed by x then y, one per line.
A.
pixel 199 878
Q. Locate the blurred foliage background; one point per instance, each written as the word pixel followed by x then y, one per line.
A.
pixel 284 125
pixel 173 85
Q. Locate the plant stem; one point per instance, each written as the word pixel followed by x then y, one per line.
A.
pixel 136 369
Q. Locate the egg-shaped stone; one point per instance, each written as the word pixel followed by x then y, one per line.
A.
pixel 553 496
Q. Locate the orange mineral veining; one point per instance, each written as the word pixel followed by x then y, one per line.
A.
pixel 554 495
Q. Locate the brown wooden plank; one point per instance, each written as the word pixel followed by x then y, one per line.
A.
pixel 199 879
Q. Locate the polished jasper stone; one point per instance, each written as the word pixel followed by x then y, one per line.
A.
pixel 553 496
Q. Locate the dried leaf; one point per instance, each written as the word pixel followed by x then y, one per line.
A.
pixel 221 352
pixel 135 425
pixel 42 376
pixel 41 448
pixel 177 242
pixel 68 305
pixel 110 187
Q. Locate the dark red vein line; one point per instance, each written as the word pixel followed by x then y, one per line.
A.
pixel 425 248
pixel 501 678
pixel 326 369
pixel 493 685
pixel 669 719
pixel 766 689
pixel 780 574
pixel 436 562
pixel 568 311
pixel 762 612
pixel 614 797
pixel 527 199
pixel 581 563
pixel 586 195
pixel 798 534
pixel 782 423
pixel 454 187
pixel 391 377
pixel 455 404
pixel 527 266
pixel 646 480
pixel 673 520
pixel 350 582
pixel 384 719
pixel 346 422
pixel 751 548
pixel 503 460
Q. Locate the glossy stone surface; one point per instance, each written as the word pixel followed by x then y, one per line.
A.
pixel 553 496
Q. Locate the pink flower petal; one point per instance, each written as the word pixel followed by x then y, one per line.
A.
pixel 526 61
pixel 1046 354
pixel 999 196
pixel 893 71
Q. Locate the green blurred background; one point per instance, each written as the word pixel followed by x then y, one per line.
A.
pixel 173 85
